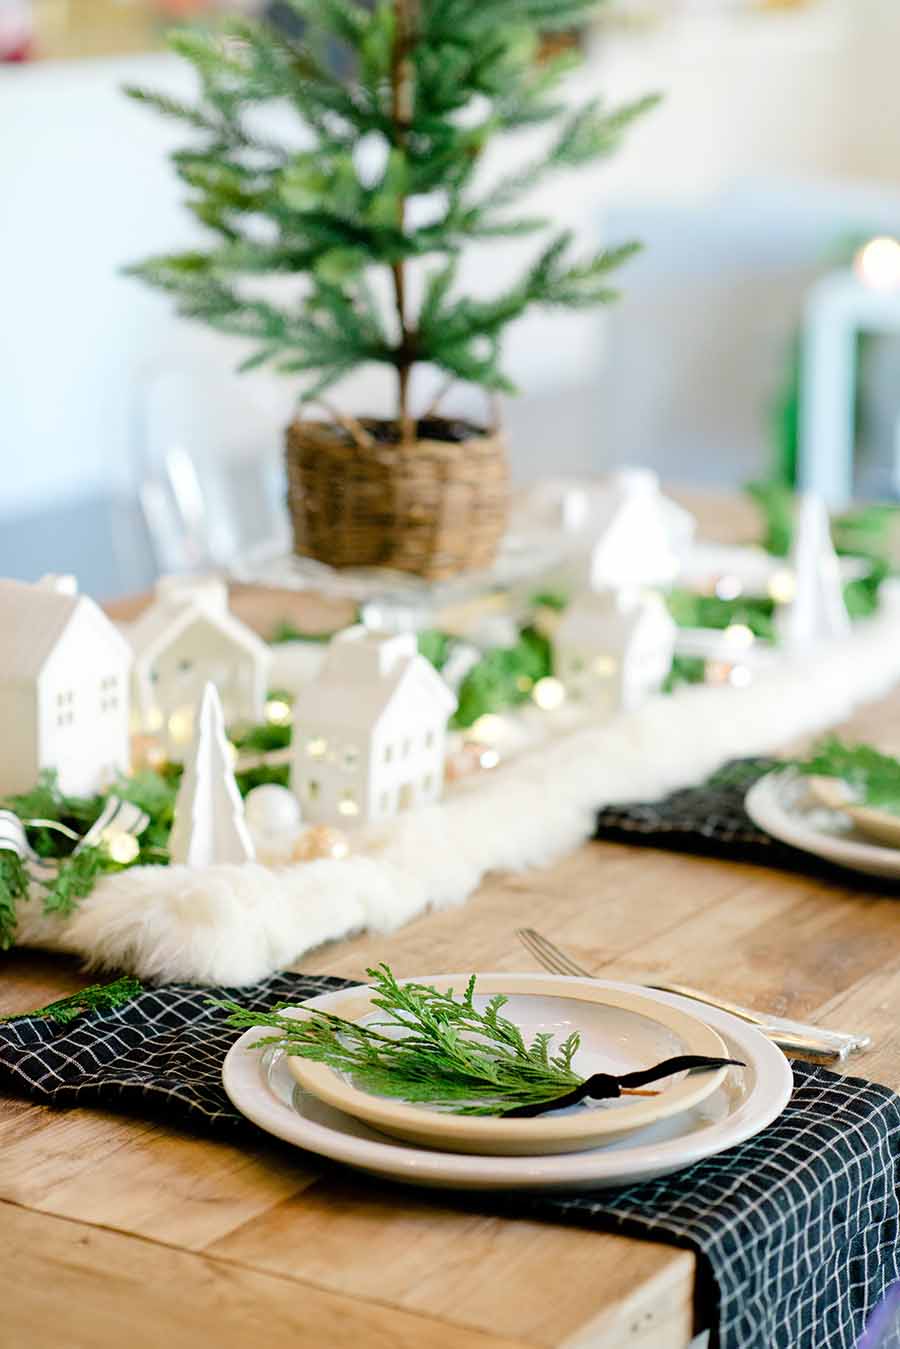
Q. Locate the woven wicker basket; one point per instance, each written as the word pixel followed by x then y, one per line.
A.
pixel 435 508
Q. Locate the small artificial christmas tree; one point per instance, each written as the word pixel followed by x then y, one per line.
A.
pixel 209 813
pixel 386 182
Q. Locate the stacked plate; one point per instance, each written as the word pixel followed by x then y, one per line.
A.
pixel 589 1146
pixel 818 816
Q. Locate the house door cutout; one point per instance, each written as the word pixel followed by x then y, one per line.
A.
pixel 405 796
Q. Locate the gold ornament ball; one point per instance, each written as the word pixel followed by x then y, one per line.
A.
pixel 321 841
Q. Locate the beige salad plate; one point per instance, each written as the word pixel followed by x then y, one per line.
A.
pixel 621 1031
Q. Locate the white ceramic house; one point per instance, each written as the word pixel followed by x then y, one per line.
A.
pixel 370 731
pixel 184 640
pixel 64 672
pixel 614 649
pixel 639 542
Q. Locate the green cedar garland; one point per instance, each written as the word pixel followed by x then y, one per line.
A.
pixel 433 83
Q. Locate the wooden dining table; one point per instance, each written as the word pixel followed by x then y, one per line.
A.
pixel 118 1232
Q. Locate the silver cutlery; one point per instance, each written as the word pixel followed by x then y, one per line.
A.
pixel 795 1036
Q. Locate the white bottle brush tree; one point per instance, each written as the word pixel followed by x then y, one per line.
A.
pixel 431 83
pixel 209 813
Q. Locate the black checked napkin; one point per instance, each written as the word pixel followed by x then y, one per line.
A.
pixel 710 819
pixel 797 1231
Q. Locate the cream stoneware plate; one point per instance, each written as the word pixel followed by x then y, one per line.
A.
pixel 881 825
pixel 620 1032
pixel 784 805
pixel 261 1086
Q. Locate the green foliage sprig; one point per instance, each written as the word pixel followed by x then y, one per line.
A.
pixel 874 776
pixel 449 1054
pixel 94 998
pixel 62 821
pixel 431 84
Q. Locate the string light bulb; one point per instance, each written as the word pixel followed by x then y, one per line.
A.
pixel 121 846
pixel 278 712
pixel 549 693
pixel 877 264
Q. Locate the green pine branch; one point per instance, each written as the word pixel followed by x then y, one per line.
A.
pixel 433 84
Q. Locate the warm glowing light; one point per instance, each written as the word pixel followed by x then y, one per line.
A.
pixel 728 587
pixel 489 758
pixel 740 677
pixel 154 719
pixel 181 725
pixel 718 671
pixel 604 666
pixel 278 712
pixel 488 728
pixel 121 846
pixel 548 693
pixel 347 806
pixel 524 683
pixel 739 635
pixel 878 264
pixel 316 748
pixel 782 585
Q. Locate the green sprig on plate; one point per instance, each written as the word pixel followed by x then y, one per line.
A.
pixel 873 776
pixel 442 1051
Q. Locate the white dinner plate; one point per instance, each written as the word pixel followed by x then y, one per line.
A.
pixel 621 1031
pixel 782 804
pixel 260 1085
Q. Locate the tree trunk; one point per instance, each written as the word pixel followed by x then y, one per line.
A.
pixel 401 112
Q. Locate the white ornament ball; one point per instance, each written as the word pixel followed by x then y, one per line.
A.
pixel 271 810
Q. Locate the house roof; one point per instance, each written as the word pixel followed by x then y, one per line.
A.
pixel 164 622
pixel 357 692
pixel 33 619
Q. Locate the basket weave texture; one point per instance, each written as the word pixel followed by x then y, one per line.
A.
pixel 434 508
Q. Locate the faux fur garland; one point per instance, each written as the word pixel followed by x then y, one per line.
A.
pixel 236 924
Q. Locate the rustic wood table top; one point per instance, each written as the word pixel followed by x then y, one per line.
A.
pixel 117 1231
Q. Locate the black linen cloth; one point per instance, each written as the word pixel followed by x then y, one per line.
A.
pixel 796 1230
pixel 710 820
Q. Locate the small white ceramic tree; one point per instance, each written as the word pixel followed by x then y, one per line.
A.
pixel 370 731
pixel 817 612
pixel 614 649
pixel 209 813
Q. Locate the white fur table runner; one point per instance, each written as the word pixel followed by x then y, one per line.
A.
pixel 237 924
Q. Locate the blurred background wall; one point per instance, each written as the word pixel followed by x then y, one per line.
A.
pixel 779 138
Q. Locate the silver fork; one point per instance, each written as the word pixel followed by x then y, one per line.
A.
pixel 795 1036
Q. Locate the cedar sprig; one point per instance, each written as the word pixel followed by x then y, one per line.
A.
pixel 874 776
pixel 94 998
pixel 430 1048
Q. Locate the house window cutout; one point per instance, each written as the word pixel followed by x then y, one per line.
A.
pixel 427 782
pixel 317 747
pixel 405 796
pixel 348 804
pixel 384 802
pixel 350 759
pixel 429 740
pixel 388 753
pixel 407 745
pixel 312 790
